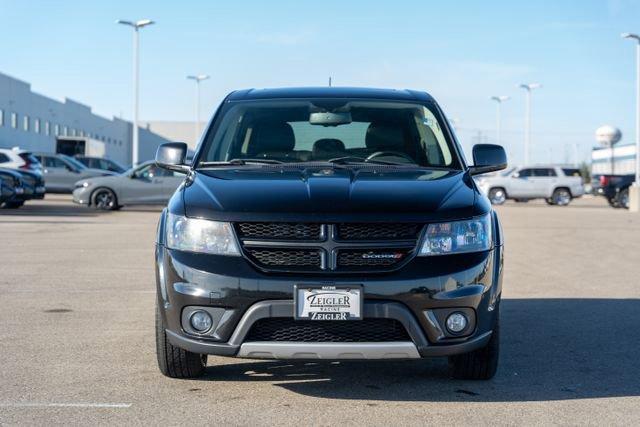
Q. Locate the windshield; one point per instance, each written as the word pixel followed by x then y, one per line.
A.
pixel 349 131
pixel 74 162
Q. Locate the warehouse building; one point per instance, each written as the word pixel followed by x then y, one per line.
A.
pixel 33 122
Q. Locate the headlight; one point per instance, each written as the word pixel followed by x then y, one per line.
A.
pixel 84 184
pixel 200 235
pixel 444 238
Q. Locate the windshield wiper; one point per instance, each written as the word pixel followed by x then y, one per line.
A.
pixel 240 162
pixel 358 160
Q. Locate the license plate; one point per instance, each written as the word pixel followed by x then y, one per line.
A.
pixel 320 302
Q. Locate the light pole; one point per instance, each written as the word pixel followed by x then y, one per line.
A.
pixel 499 100
pixel 198 79
pixel 136 25
pixel 527 120
pixel 634 193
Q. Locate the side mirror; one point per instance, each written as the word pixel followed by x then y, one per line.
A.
pixel 488 158
pixel 171 156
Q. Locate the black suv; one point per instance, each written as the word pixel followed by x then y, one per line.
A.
pixel 329 223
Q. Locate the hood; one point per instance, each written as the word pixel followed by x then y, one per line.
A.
pixel 274 194
pixel 112 180
pixel 96 172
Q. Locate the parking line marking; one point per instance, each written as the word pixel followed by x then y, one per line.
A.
pixel 64 405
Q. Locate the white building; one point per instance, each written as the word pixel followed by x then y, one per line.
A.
pixel 33 121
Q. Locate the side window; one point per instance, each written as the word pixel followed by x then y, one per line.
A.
pixel 543 172
pixel 52 162
pixel 104 164
pixel 525 173
pixel 571 172
pixel 152 171
pixel 4 158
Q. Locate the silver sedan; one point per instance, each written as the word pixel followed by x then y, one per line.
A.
pixel 145 184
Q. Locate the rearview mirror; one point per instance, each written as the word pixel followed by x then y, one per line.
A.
pixel 488 158
pixel 171 156
pixel 330 119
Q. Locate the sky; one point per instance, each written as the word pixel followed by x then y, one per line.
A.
pixel 461 52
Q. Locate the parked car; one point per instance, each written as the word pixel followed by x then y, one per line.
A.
pixel 19 159
pixel 556 185
pixel 146 184
pixel 34 187
pixel 615 188
pixel 11 189
pixel 100 163
pixel 62 172
pixel 329 223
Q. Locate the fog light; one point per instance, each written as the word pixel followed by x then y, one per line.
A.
pixel 201 321
pixel 456 322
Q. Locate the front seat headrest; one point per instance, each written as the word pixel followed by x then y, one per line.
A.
pixel 274 137
pixel 327 148
pixel 384 136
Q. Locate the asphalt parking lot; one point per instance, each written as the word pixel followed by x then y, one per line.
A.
pixel 77 336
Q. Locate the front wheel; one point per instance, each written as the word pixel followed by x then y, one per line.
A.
pixel 497 196
pixel 105 200
pixel 561 197
pixel 175 362
pixel 480 364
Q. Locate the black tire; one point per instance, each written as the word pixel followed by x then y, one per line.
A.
pixel 561 196
pixel 104 199
pixel 622 200
pixel 549 201
pixel 173 361
pixel 480 364
pixel 613 202
pixel 13 205
pixel 497 196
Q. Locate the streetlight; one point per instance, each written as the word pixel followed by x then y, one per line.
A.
pixel 198 79
pixel 499 100
pixel 136 26
pixel 527 123
pixel 634 192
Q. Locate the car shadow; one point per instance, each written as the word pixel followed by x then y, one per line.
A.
pixel 551 349
pixel 36 209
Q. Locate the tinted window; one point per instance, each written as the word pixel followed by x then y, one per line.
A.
pixel 544 172
pixel 525 173
pixel 152 171
pixel 571 172
pixel 53 162
pixel 84 161
pixel 320 130
pixel 4 158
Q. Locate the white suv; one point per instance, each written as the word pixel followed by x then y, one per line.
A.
pixel 19 159
pixel 557 185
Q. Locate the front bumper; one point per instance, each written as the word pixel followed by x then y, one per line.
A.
pixel 82 195
pixel 416 296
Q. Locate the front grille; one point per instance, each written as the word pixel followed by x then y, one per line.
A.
pixel 315 247
pixel 278 230
pixel 366 330
pixel 283 257
pixel 372 231
pixel 371 258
